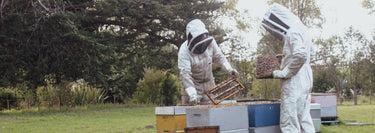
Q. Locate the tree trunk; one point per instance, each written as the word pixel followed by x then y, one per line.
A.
pixel 370 96
pixel 355 96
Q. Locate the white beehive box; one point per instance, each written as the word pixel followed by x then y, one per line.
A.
pixel 233 119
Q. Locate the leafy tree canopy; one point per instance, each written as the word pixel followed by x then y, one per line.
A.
pixel 93 40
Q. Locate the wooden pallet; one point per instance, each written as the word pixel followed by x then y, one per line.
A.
pixel 205 129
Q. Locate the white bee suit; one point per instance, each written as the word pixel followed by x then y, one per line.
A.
pixel 196 69
pixel 295 71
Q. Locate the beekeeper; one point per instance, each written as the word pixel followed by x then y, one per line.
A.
pixel 195 59
pixel 295 71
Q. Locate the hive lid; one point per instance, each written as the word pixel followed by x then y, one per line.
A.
pixel 173 110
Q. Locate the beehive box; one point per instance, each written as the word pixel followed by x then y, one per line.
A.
pixel 261 115
pixel 330 111
pixel 265 65
pixel 229 117
pixel 328 104
pixel 324 99
pixel 266 129
pixel 171 118
pixel 236 117
pixel 315 110
pixel 317 125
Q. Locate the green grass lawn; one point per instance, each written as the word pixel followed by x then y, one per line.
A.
pixel 138 119
pixel 363 113
pixel 122 120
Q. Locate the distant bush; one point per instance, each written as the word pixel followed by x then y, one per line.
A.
pixel 8 99
pixel 157 87
pixel 54 95
pixel 82 94
pixel 70 94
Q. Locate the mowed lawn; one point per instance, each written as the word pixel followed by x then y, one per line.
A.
pixel 363 113
pixel 121 120
pixel 141 120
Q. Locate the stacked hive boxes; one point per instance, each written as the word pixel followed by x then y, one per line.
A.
pixel 237 118
pixel 315 116
pixel 171 119
pixel 328 103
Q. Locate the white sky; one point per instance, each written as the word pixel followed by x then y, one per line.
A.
pixel 339 16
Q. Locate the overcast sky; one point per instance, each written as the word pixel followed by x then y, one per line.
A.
pixel 339 16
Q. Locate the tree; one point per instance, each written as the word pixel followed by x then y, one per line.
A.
pixel 325 78
pixel 47 40
pixel 102 42
pixel 266 88
pixel 247 76
pixel 369 4
pixel 371 46
pixel 355 42
pixel 330 64
pixel 327 50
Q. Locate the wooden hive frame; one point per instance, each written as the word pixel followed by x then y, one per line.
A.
pixel 224 90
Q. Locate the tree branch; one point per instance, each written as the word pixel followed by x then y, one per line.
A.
pixel 45 8
pixel 1 8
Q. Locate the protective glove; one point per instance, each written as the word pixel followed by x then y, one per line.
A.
pixel 233 72
pixel 277 74
pixel 193 96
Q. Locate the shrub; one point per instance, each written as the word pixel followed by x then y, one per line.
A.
pixel 70 94
pixel 82 94
pixel 55 95
pixel 157 87
pixel 8 99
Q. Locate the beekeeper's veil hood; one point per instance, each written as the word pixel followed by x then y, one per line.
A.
pixel 198 37
pixel 278 20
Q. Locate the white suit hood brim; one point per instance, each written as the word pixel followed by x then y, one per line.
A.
pixel 282 13
pixel 195 28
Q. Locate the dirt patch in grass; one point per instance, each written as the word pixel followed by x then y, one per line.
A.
pixel 149 126
pixel 10 120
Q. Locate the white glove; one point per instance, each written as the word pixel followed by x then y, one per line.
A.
pixel 277 74
pixel 193 96
pixel 233 72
